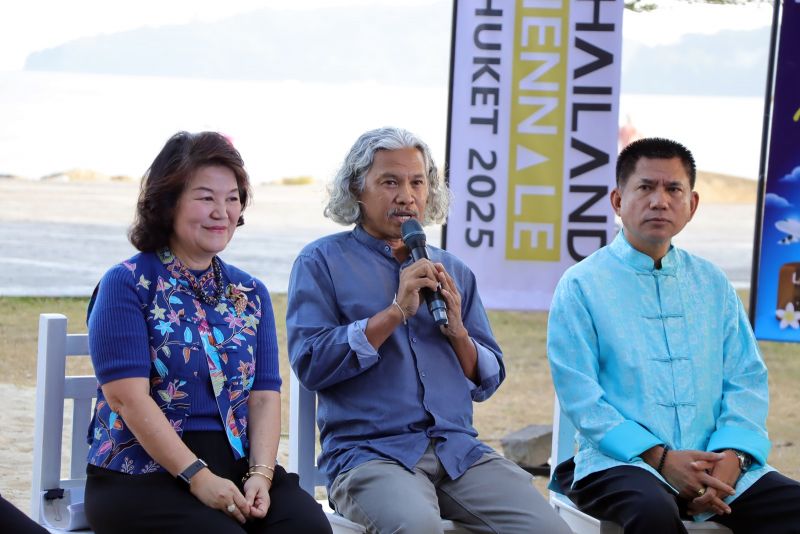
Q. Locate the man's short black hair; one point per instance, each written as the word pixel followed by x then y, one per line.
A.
pixel 653 148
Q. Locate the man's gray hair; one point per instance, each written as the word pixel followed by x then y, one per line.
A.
pixel 348 184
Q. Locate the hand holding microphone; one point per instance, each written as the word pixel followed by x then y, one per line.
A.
pixel 414 239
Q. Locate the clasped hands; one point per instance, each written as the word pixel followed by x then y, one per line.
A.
pixel 703 478
pixel 220 493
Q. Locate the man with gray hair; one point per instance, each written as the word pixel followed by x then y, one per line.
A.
pixel 395 390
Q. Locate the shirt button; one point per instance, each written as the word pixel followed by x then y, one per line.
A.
pixel 386 248
pixel 413 340
pixel 423 373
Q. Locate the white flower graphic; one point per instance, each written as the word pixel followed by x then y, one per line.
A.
pixel 789 317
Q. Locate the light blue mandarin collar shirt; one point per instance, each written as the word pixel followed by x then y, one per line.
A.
pixel 392 402
pixel 642 356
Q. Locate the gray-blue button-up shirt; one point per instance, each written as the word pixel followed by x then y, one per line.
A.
pixel 392 402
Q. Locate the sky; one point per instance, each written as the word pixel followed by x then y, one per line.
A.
pixel 30 25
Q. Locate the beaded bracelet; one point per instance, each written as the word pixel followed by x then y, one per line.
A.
pixel 663 459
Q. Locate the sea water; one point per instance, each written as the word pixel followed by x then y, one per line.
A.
pixel 53 122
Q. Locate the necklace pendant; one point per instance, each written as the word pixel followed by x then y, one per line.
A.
pixel 197 286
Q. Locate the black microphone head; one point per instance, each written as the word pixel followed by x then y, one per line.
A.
pixel 413 236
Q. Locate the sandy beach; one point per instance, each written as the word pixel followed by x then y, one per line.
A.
pixel 16 444
pixel 63 232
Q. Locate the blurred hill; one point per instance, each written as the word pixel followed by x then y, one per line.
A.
pixel 336 44
pixel 346 44
pixel 728 63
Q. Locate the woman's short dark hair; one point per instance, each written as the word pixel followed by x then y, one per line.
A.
pixel 182 155
pixel 653 148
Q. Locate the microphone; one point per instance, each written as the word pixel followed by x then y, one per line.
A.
pixel 414 239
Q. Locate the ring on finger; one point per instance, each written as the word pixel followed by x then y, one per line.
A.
pixel 231 508
pixel 701 492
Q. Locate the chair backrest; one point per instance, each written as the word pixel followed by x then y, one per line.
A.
pixel 302 436
pixel 58 502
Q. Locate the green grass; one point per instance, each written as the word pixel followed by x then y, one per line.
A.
pixel 526 397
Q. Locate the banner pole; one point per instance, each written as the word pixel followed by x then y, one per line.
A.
pixel 449 111
pixel 762 164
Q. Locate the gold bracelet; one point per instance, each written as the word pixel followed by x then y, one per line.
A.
pixel 253 467
pixel 250 474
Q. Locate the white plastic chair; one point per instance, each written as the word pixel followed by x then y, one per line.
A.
pixel 302 455
pixel 563 449
pixel 56 503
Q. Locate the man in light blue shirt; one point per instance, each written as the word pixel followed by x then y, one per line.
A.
pixel 655 363
pixel 395 390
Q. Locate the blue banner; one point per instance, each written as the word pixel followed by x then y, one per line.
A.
pixel 777 312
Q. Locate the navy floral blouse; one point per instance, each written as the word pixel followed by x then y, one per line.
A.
pixel 147 322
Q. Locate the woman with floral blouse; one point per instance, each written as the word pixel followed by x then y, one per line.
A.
pixel 187 422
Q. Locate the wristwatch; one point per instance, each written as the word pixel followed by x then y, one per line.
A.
pixel 745 460
pixel 186 475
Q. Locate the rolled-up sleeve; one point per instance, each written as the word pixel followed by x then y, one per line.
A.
pixel 357 337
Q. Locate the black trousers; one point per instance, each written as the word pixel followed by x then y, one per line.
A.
pixel 117 503
pixel 642 504
pixel 13 520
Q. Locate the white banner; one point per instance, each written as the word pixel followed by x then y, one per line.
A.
pixel 534 105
